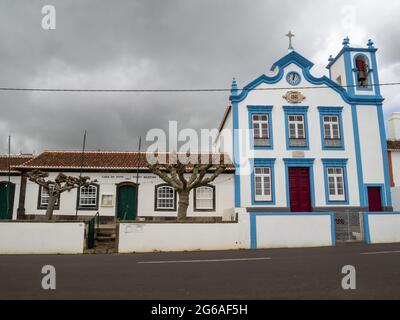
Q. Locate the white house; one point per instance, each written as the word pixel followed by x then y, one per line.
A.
pixel 302 143
pixel 393 146
pixel 124 189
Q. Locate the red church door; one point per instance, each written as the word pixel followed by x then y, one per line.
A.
pixel 374 199
pixel 299 189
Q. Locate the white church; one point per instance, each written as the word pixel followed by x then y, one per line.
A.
pixel 299 143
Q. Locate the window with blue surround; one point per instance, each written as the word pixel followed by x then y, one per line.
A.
pixel 331 128
pixel 262 182
pixel 335 175
pixel 296 127
pixel 260 125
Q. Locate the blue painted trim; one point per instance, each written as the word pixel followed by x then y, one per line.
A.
pixel 349 73
pixel 367 234
pixel 306 65
pixel 292 57
pixel 355 71
pixel 336 163
pixel 260 110
pixel 358 156
pixel 386 173
pixel 236 152
pixel 298 110
pixel 333 60
pixel 378 185
pixel 333 231
pixel 262 162
pixel 328 111
pixel 255 83
pixel 253 230
pixel 289 162
pixel 382 213
pixel 375 74
pixel 253 223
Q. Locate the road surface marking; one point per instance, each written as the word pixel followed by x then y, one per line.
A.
pixel 210 260
pixel 380 252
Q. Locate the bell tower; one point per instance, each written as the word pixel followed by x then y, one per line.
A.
pixel 355 68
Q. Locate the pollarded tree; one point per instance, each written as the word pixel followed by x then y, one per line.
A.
pixel 55 187
pixel 186 175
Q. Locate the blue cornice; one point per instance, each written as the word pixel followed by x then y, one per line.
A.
pixel 292 57
pixel 344 49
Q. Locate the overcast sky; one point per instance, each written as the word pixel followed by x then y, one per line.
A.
pixel 151 44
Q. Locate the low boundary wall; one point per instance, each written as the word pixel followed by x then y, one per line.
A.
pixel 381 227
pixel 42 237
pixel 291 230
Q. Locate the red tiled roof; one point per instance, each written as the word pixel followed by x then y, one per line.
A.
pixel 97 160
pixel 393 145
pixel 15 160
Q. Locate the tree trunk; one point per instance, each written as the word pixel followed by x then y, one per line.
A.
pixel 183 204
pixel 50 207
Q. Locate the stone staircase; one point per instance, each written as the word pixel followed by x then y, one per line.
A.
pixel 105 240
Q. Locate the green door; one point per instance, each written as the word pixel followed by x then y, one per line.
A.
pixel 7 191
pixel 127 202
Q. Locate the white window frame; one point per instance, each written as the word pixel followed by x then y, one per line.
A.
pixel 334 181
pixel 330 123
pixel 259 125
pixel 159 197
pixel 266 174
pixel 296 124
pixel 45 195
pixel 88 196
pixel 204 196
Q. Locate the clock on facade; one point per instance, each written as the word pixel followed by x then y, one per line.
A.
pixel 293 78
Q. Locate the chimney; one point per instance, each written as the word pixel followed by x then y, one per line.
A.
pixel 394 126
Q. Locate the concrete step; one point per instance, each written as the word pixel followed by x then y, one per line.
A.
pixel 105 233
pixel 107 238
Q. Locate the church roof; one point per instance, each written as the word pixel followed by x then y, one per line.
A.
pixel 292 57
pixel 102 160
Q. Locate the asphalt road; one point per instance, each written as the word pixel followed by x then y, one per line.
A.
pixel 313 273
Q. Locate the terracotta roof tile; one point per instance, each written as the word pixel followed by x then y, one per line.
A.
pixel 15 160
pixel 100 160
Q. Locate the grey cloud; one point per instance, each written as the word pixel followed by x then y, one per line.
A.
pixel 153 44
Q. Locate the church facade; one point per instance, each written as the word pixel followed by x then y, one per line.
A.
pixel 301 143
pixel 298 143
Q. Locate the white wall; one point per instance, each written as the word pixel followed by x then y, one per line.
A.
pixel 384 228
pixel 224 189
pixel 395 198
pixel 338 69
pixel 394 126
pixel 284 231
pixel 370 144
pixel 396 167
pixel 148 237
pixel 41 238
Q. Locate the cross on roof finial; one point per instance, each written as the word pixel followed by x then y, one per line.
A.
pixel 290 35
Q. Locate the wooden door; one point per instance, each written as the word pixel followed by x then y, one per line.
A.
pixel 7 191
pixel 299 189
pixel 374 199
pixel 127 202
